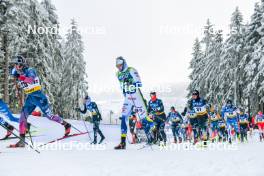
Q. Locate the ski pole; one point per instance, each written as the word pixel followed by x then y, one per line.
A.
pixel 20 139
pixel 88 133
pixel 30 137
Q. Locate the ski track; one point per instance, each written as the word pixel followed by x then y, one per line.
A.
pixel 246 160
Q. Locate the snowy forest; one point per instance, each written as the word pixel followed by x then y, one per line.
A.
pixel 231 68
pixel 58 59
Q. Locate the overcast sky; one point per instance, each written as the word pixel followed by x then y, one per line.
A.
pixel 155 36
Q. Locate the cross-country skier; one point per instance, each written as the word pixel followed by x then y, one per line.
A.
pixel 199 106
pixel 96 117
pixel 229 112
pixel 176 120
pixel 156 109
pixel 214 117
pixel 130 83
pixel 28 80
pixel 259 120
pixel 7 113
pixel 243 124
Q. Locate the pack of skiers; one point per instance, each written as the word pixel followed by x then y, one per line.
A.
pixel 204 120
pixel 199 121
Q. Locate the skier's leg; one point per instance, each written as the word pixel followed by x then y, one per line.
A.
pixel 100 132
pixel 203 127
pixel 173 129
pixel 95 128
pixel 126 111
pixel 194 125
pixel 162 132
pixel 229 130
pixel 178 133
pixel 27 109
pixel 236 128
pixel 41 101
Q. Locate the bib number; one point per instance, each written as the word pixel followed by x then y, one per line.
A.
pixel 30 88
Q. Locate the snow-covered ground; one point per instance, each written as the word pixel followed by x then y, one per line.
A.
pixel 240 159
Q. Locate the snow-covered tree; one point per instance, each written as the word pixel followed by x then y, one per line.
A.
pixel 254 57
pixel 233 53
pixel 73 85
pixel 196 65
pixel 233 68
pixel 20 21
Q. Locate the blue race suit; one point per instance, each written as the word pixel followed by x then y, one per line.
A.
pixel 229 113
pixel 176 120
pixel 156 109
pixel 29 81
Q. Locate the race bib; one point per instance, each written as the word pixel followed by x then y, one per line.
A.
pixel 30 88
pixel 192 115
pixel 231 114
pixel 200 110
pixel 176 119
pixel 222 124
pixel 243 121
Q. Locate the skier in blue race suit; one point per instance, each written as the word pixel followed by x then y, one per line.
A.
pixel 28 80
pixel 229 113
pixel 200 108
pixel 96 117
pixel 156 110
pixel 176 120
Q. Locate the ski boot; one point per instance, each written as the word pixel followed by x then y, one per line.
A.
pixel 175 140
pixel 122 145
pixel 67 127
pixel 162 143
pixel 9 131
pixel 229 141
pixel 205 143
pixel 220 139
pixel 195 141
pixel 94 141
pixel 102 137
pixel 180 140
pixel 20 143
pixel 101 140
